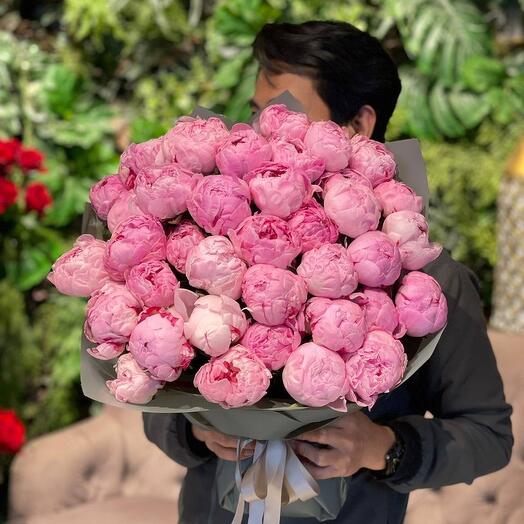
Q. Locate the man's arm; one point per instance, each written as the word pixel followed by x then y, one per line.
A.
pixel 471 433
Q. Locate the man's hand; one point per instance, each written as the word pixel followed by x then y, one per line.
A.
pixel 223 446
pixel 348 444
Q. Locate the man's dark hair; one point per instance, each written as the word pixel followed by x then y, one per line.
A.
pixel 350 68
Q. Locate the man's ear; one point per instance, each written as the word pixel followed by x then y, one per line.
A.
pixel 364 122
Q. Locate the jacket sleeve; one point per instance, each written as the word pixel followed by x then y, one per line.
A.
pixel 470 434
pixel 172 434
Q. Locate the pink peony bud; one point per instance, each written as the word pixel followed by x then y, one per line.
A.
pixel 293 153
pixel 272 344
pixel 80 271
pixel 213 265
pixel 329 142
pixel 152 283
pixel 136 157
pixel 132 383
pixel 396 196
pixel 277 121
pixel 380 311
pixel 215 323
pixel 137 239
pixel 328 271
pixel 158 343
pixel 193 143
pixel 265 239
pixel 377 367
pixel 371 159
pixel 162 191
pixel 111 314
pixel 315 376
pixel 180 240
pixel 312 227
pixel 339 325
pixel 409 230
pixel 219 203
pixel 273 295
pixel 106 350
pixel 352 206
pixel 278 190
pixel 125 207
pixel 243 151
pixel 104 194
pixel 237 378
pixel 421 305
pixel 376 258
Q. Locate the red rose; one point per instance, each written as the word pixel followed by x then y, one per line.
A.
pixel 8 194
pixel 30 159
pixel 8 152
pixel 12 431
pixel 37 197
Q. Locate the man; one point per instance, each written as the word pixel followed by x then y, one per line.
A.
pixel 340 73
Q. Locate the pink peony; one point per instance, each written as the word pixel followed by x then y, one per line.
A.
pixel 376 258
pixel 339 325
pixel 236 379
pixel 312 226
pixel 273 295
pixel 111 314
pixel 162 191
pixel 293 153
pixel 371 159
pixel 106 350
pixel 271 344
pixel 80 271
pixel 328 271
pixel 180 240
pixel 213 265
pixel 329 142
pixel 193 143
pixel 348 174
pixel 421 305
pixel 125 207
pixel 132 383
pixel 215 323
pixel 219 203
pixel 243 151
pixel 377 367
pixel 278 190
pixel 137 239
pixel 380 311
pixel 315 376
pixel 396 196
pixel 409 230
pixel 104 194
pixel 352 206
pixel 158 343
pixel 277 121
pixel 138 156
pixel 265 239
pixel 152 283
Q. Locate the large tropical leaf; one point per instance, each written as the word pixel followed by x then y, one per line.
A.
pixel 440 35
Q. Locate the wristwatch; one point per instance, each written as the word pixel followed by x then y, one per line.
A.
pixel 393 458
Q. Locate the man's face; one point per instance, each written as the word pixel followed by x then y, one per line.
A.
pixel 301 87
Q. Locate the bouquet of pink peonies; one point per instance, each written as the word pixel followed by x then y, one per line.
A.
pixel 273 268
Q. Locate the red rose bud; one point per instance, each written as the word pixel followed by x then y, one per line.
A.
pixel 8 151
pixel 37 197
pixel 12 432
pixel 8 194
pixel 29 159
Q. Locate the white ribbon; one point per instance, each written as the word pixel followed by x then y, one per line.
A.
pixel 274 478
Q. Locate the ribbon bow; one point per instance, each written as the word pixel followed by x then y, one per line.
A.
pixel 275 477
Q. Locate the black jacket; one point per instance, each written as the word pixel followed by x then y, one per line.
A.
pixel 469 436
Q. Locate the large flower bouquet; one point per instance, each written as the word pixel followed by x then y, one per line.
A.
pixel 274 261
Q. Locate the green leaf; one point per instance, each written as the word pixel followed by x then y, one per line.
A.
pixel 443 114
pixel 60 87
pixel 230 71
pixel 470 108
pixel 481 73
